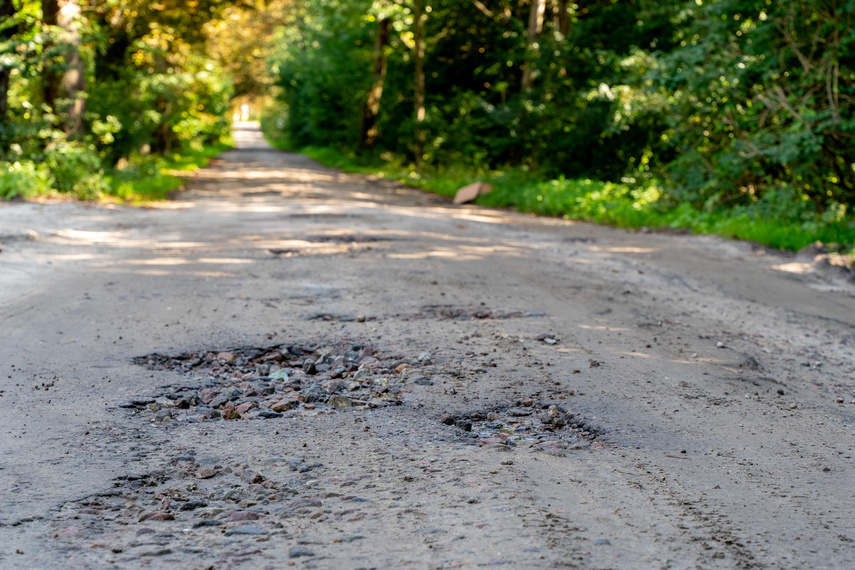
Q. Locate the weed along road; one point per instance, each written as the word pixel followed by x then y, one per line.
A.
pixel 290 366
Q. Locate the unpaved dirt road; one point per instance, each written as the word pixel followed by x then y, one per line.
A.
pixel 410 385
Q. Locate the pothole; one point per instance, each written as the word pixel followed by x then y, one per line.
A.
pixel 331 244
pixel 189 506
pixel 348 238
pixel 340 318
pixel 458 313
pixel 536 426
pixel 321 216
pixel 280 381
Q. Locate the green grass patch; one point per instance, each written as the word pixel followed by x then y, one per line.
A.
pixel 632 206
pixel 142 179
pixel 148 179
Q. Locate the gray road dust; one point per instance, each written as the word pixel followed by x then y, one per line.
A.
pixel 291 366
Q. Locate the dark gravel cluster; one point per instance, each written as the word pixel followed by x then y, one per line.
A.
pixel 458 313
pixel 526 423
pixel 269 383
pixel 182 509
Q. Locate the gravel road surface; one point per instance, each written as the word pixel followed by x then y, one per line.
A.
pixel 291 366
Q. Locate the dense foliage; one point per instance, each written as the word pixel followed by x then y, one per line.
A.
pixel 94 89
pixel 744 104
pixel 723 108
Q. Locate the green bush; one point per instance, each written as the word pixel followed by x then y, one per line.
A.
pixel 76 168
pixel 24 179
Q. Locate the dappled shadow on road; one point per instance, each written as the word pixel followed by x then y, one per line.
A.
pixel 256 214
pixel 659 345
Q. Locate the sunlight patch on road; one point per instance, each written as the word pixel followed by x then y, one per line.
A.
pixel 166 261
pixel 459 254
pixel 793 267
pixel 601 328
pixel 624 249
pixel 224 260
pixel 635 354
pixel 71 257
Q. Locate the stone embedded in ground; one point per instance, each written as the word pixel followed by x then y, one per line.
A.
pixel 252 476
pixel 228 357
pixel 245 529
pixel 244 516
pixel 305 503
pixel 299 551
pixel 340 402
pixel 156 516
pixel 284 405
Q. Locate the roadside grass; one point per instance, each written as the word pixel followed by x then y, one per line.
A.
pixel 624 205
pixel 141 179
pixel 148 179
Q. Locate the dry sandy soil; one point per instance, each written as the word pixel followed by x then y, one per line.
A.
pixel 411 384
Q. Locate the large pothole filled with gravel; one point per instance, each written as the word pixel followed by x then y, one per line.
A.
pixel 280 381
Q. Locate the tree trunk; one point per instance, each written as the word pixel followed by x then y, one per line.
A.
pixel 64 90
pixel 563 18
pixel 419 56
pixel 7 11
pixel 371 107
pixel 52 79
pixel 535 27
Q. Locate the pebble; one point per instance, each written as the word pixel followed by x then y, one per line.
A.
pixel 163 415
pixel 156 516
pixel 305 503
pixel 244 516
pixel 299 551
pixel 252 477
pixel 245 529
pixel 340 402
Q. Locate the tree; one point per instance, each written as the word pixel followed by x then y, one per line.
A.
pixel 65 83
pixel 8 28
pixel 535 27
pixel 419 79
pixel 371 106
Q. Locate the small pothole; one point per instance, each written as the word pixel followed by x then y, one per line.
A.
pixel 458 313
pixel 538 426
pixel 348 238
